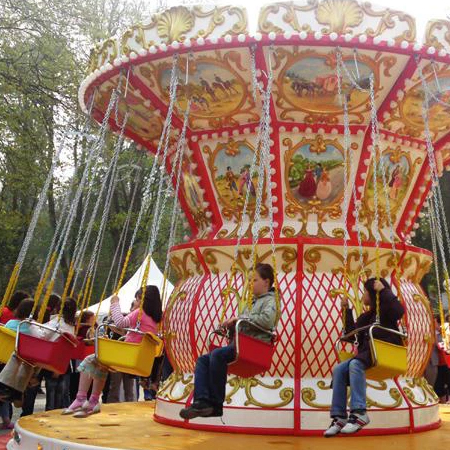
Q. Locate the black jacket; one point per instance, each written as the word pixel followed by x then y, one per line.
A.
pixel 391 311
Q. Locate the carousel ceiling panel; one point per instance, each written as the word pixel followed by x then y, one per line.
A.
pixel 143 120
pixel 228 162
pixel 339 17
pixel 306 87
pixel 219 83
pixel 402 165
pixel 405 115
pixel 312 168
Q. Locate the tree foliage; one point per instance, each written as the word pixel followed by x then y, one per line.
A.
pixel 44 49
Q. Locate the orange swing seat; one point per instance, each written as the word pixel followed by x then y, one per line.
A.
pixel 51 355
pixel 253 356
pixel 128 357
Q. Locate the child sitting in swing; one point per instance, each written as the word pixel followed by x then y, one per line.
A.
pixel 92 371
pixel 353 371
pixel 17 374
pixel 211 369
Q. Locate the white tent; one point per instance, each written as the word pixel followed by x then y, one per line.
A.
pixel 127 291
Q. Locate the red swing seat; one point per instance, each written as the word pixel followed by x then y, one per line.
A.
pixel 82 349
pixel 253 356
pixel 54 356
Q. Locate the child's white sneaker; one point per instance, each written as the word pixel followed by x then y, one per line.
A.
pixel 355 423
pixel 336 426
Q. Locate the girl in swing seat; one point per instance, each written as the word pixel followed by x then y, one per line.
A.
pixel 92 371
pixel 16 375
pixel 353 371
pixel 210 376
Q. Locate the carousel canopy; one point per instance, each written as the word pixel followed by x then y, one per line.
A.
pixel 218 63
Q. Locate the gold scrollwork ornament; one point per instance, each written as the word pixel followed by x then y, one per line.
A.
pixel 286 394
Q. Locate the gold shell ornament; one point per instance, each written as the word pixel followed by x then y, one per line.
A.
pixel 340 15
pixel 174 23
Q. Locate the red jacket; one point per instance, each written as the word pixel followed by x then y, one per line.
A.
pixel 7 314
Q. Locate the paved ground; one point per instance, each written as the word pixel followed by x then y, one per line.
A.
pixel 39 406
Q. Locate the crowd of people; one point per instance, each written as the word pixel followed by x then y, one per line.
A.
pixel 21 383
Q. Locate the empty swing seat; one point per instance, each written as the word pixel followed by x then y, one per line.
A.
pixel 253 356
pixel 390 360
pixel 51 355
pixel 128 357
pixel 7 343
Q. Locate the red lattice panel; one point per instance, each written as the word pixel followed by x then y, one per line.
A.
pixel 283 362
pixel 210 306
pixel 180 314
pixel 419 326
pixel 321 324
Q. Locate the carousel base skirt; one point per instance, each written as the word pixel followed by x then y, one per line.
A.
pixel 131 426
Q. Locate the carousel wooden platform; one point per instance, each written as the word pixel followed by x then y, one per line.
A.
pixel 131 426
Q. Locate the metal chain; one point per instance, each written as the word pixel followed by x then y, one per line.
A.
pixel 124 232
pixel 241 232
pixel 147 192
pixel 343 99
pixel 386 196
pixel 255 84
pixel 84 132
pixel 342 96
pixel 81 244
pixel 434 232
pixel 350 76
pixel 176 172
pixel 374 137
pixel 92 156
pixel 267 165
pixel 264 159
pixel 111 176
pixel 375 143
pixel 436 187
pixel 157 217
pixel 79 257
pixel 426 88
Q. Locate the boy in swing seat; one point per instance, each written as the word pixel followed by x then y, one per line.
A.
pixel 211 369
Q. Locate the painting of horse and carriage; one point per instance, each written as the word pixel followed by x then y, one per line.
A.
pixel 214 89
pixel 311 84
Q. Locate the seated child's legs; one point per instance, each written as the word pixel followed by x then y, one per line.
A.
pixel 357 375
pixel 340 381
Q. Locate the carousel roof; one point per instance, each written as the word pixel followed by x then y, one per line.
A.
pixel 298 40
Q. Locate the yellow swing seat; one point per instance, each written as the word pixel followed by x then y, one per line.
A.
pixel 128 357
pixel 7 343
pixel 390 360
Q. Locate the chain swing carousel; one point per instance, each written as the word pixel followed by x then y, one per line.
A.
pixel 313 145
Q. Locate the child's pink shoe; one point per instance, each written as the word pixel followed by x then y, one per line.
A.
pixel 87 410
pixel 76 406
